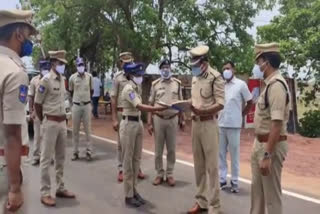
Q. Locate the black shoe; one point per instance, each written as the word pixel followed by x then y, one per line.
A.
pixel 132 202
pixel 88 155
pixel 223 185
pixel 234 188
pixel 75 157
pixel 35 162
pixel 139 198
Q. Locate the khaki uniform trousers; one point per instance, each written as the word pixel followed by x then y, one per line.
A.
pixel 4 187
pixel 205 147
pixel 37 139
pixel 131 135
pixel 266 191
pixel 165 132
pixel 120 151
pixel 81 114
pixel 54 142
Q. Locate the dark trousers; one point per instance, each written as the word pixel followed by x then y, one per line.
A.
pixel 95 103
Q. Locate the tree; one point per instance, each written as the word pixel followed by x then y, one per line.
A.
pixel 297 30
pixel 149 28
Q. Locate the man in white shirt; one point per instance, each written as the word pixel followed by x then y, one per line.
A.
pixel 238 101
pixel 96 94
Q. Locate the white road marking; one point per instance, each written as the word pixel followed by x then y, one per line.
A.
pixel 244 180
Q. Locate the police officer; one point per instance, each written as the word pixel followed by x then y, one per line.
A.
pixel 116 103
pixel 50 109
pixel 80 86
pixel 207 97
pixel 15 32
pixel 270 122
pixel 166 89
pixel 45 67
pixel 131 131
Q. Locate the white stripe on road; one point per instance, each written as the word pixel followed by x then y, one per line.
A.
pixel 246 181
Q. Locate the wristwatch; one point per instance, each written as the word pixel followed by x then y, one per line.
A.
pixel 267 155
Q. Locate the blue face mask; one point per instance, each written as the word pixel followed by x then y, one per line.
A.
pixel 196 71
pixel 26 48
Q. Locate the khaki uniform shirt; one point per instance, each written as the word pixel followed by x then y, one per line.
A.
pixel 207 89
pixel 51 94
pixel 131 97
pixel 34 84
pixel 167 91
pixel 118 85
pixel 13 91
pixel 278 108
pixel 81 87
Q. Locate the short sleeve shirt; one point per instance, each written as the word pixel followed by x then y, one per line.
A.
pixel 81 87
pixel 51 94
pixel 278 108
pixel 118 85
pixel 34 84
pixel 167 91
pixel 236 95
pixel 131 97
pixel 13 91
pixel 207 89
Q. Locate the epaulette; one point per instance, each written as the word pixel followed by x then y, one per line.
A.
pixel 178 81
pixel 156 81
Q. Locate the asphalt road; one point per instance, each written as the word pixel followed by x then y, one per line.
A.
pixel 98 191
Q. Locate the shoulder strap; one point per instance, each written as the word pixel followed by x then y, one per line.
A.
pixel 266 100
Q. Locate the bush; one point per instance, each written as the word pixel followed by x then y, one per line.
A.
pixel 309 125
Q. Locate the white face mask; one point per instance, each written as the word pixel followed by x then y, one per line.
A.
pixel 257 73
pixel 60 69
pixel 80 69
pixel 165 73
pixel 227 74
pixel 44 72
pixel 138 80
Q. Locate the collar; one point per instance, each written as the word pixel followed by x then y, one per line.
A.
pixel 12 54
pixel 55 75
pixel 83 76
pixel 166 80
pixel 133 84
pixel 233 80
pixel 205 74
pixel 271 77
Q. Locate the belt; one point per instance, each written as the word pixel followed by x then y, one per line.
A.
pixel 24 151
pixel 120 109
pixel 131 118
pixel 166 117
pixel 265 137
pixel 203 118
pixel 81 103
pixel 56 118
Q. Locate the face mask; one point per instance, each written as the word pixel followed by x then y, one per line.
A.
pixel 227 74
pixel 257 73
pixel 80 69
pixel 196 71
pixel 26 48
pixel 60 69
pixel 138 80
pixel 165 73
pixel 44 72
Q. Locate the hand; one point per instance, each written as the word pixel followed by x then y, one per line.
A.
pixel 15 201
pixel 265 166
pixel 115 125
pixel 182 125
pixel 33 115
pixel 150 129
pixel 195 110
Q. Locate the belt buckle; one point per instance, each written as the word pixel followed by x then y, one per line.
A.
pixel 81 103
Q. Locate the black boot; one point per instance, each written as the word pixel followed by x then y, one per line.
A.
pixel 132 202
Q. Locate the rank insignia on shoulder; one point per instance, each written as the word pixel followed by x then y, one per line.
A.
pixel 23 92
pixel 41 89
